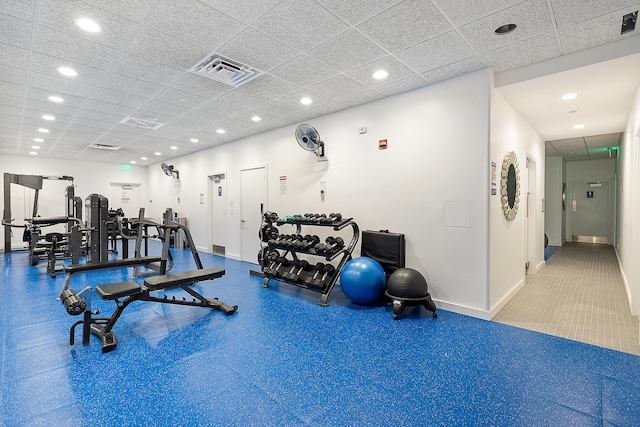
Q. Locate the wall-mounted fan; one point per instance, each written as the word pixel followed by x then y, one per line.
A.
pixel 309 139
pixel 169 170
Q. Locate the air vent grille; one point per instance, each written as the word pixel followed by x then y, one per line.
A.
pixel 105 147
pixel 225 70
pixel 141 123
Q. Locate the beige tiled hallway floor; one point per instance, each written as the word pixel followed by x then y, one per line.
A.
pixel 578 295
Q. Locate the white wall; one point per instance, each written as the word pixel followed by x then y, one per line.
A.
pixel 89 177
pixel 437 152
pixel 510 132
pixel 628 212
pixel 553 212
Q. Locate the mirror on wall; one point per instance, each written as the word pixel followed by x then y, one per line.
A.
pixel 510 186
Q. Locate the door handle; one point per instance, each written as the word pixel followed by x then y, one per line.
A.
pixel 573 205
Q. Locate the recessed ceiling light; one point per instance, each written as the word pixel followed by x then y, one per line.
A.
pixel 573 111
pixel 88 25
pixel 569 96
pixel 380 75
pixel 43 130
pixel 173 147
pixel 505 29
pixel 35 147
pixel 133 162
pixel 221 131
pixel 33 153
pixel 157 153
pixel 143 158
pixel 580 126
pixel 38 139
pixel 48 117
pixel 256 118
pixel 183 99
pixel 306 101
pixel 194 140
pixel 66 71
pixel 54 98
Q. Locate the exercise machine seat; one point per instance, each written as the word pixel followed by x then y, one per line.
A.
pixel 113 291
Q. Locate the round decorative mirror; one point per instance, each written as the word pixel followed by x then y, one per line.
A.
pixel 510 186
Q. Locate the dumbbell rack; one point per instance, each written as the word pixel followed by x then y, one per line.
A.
pixel 343 254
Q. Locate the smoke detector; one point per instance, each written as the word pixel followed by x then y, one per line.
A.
pixel 141 123
pixel 225 70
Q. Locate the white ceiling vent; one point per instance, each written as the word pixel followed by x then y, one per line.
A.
pixel 141 123
pixel 105 147
pixel 224 70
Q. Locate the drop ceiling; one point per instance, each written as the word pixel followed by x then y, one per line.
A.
pixel 138 66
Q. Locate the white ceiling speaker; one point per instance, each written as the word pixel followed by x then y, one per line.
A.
pixel 309 139
pixel 170 171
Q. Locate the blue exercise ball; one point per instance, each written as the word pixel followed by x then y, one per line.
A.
pixel 363 280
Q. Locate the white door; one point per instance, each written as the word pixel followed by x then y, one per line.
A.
pixel 591 212
pixel 253 188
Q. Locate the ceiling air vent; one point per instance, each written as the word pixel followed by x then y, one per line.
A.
pixel 105 147
pixel 224 70
pixel 141 123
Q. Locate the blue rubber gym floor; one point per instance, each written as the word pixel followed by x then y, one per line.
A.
pixel 283 360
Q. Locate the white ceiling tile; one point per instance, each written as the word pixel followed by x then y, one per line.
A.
pixel 461 12
pixel 258 50
pixel 569 12
pixel 396 69
pixel 531 17
pixel 594 32
pixel 347 51
pixel 440 50
pixel 13 75
pixel 328 108
pixel 277 108
pixel 606 140
pixel 316 97
pixel 302 24
pixel 170 132
pixel 144 69
pixel 356 11
pixel 131 85
pixel 108 108
pixel 73 49
pixel 456 69
pixel 136 10
pixel 362 98
pixel 303 71
pixel 22 9
pixel 538 49
pixel 203 117
pixel 159 47
pixel 11 89
pixel 180 98
pixel 61 15
pixel 35 104
pixel 14 56
pixel 201 86
pixel 37 94
pixel 15 31
pixel 407 23
pixel 164 111
pixel 270 86
pixel 105 118
pixel 11 101
pixel 118 97
pixel 93 123
pixel 127 129
pixel 195 23
pixel 48 65
pixel 60 85
pixel 401 86
pixel 235 102
pixel 246 11
pixel 339 87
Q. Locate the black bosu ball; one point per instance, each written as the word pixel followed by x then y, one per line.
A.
pixel 407 286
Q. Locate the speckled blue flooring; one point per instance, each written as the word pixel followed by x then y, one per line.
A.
pixel 283 360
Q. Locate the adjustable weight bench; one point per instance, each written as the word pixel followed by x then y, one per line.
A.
pixel 124 293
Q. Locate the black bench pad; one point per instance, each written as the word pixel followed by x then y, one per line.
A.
pixel 174 280
pixel 116 263
pixel 111 291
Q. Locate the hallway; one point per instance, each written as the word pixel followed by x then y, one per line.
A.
pixel 578 295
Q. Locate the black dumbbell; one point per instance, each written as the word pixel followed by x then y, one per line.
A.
pixel 270 217
pixel 272 270
pixel 294 272
pixel 332 245
pixel 321 281
pixel 335 217
pixel 318 269
pixel 310 241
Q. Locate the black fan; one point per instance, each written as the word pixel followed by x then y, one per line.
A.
pixel 169 170
pixel 309 139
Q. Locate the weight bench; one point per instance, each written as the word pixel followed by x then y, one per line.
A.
pixel 131 291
